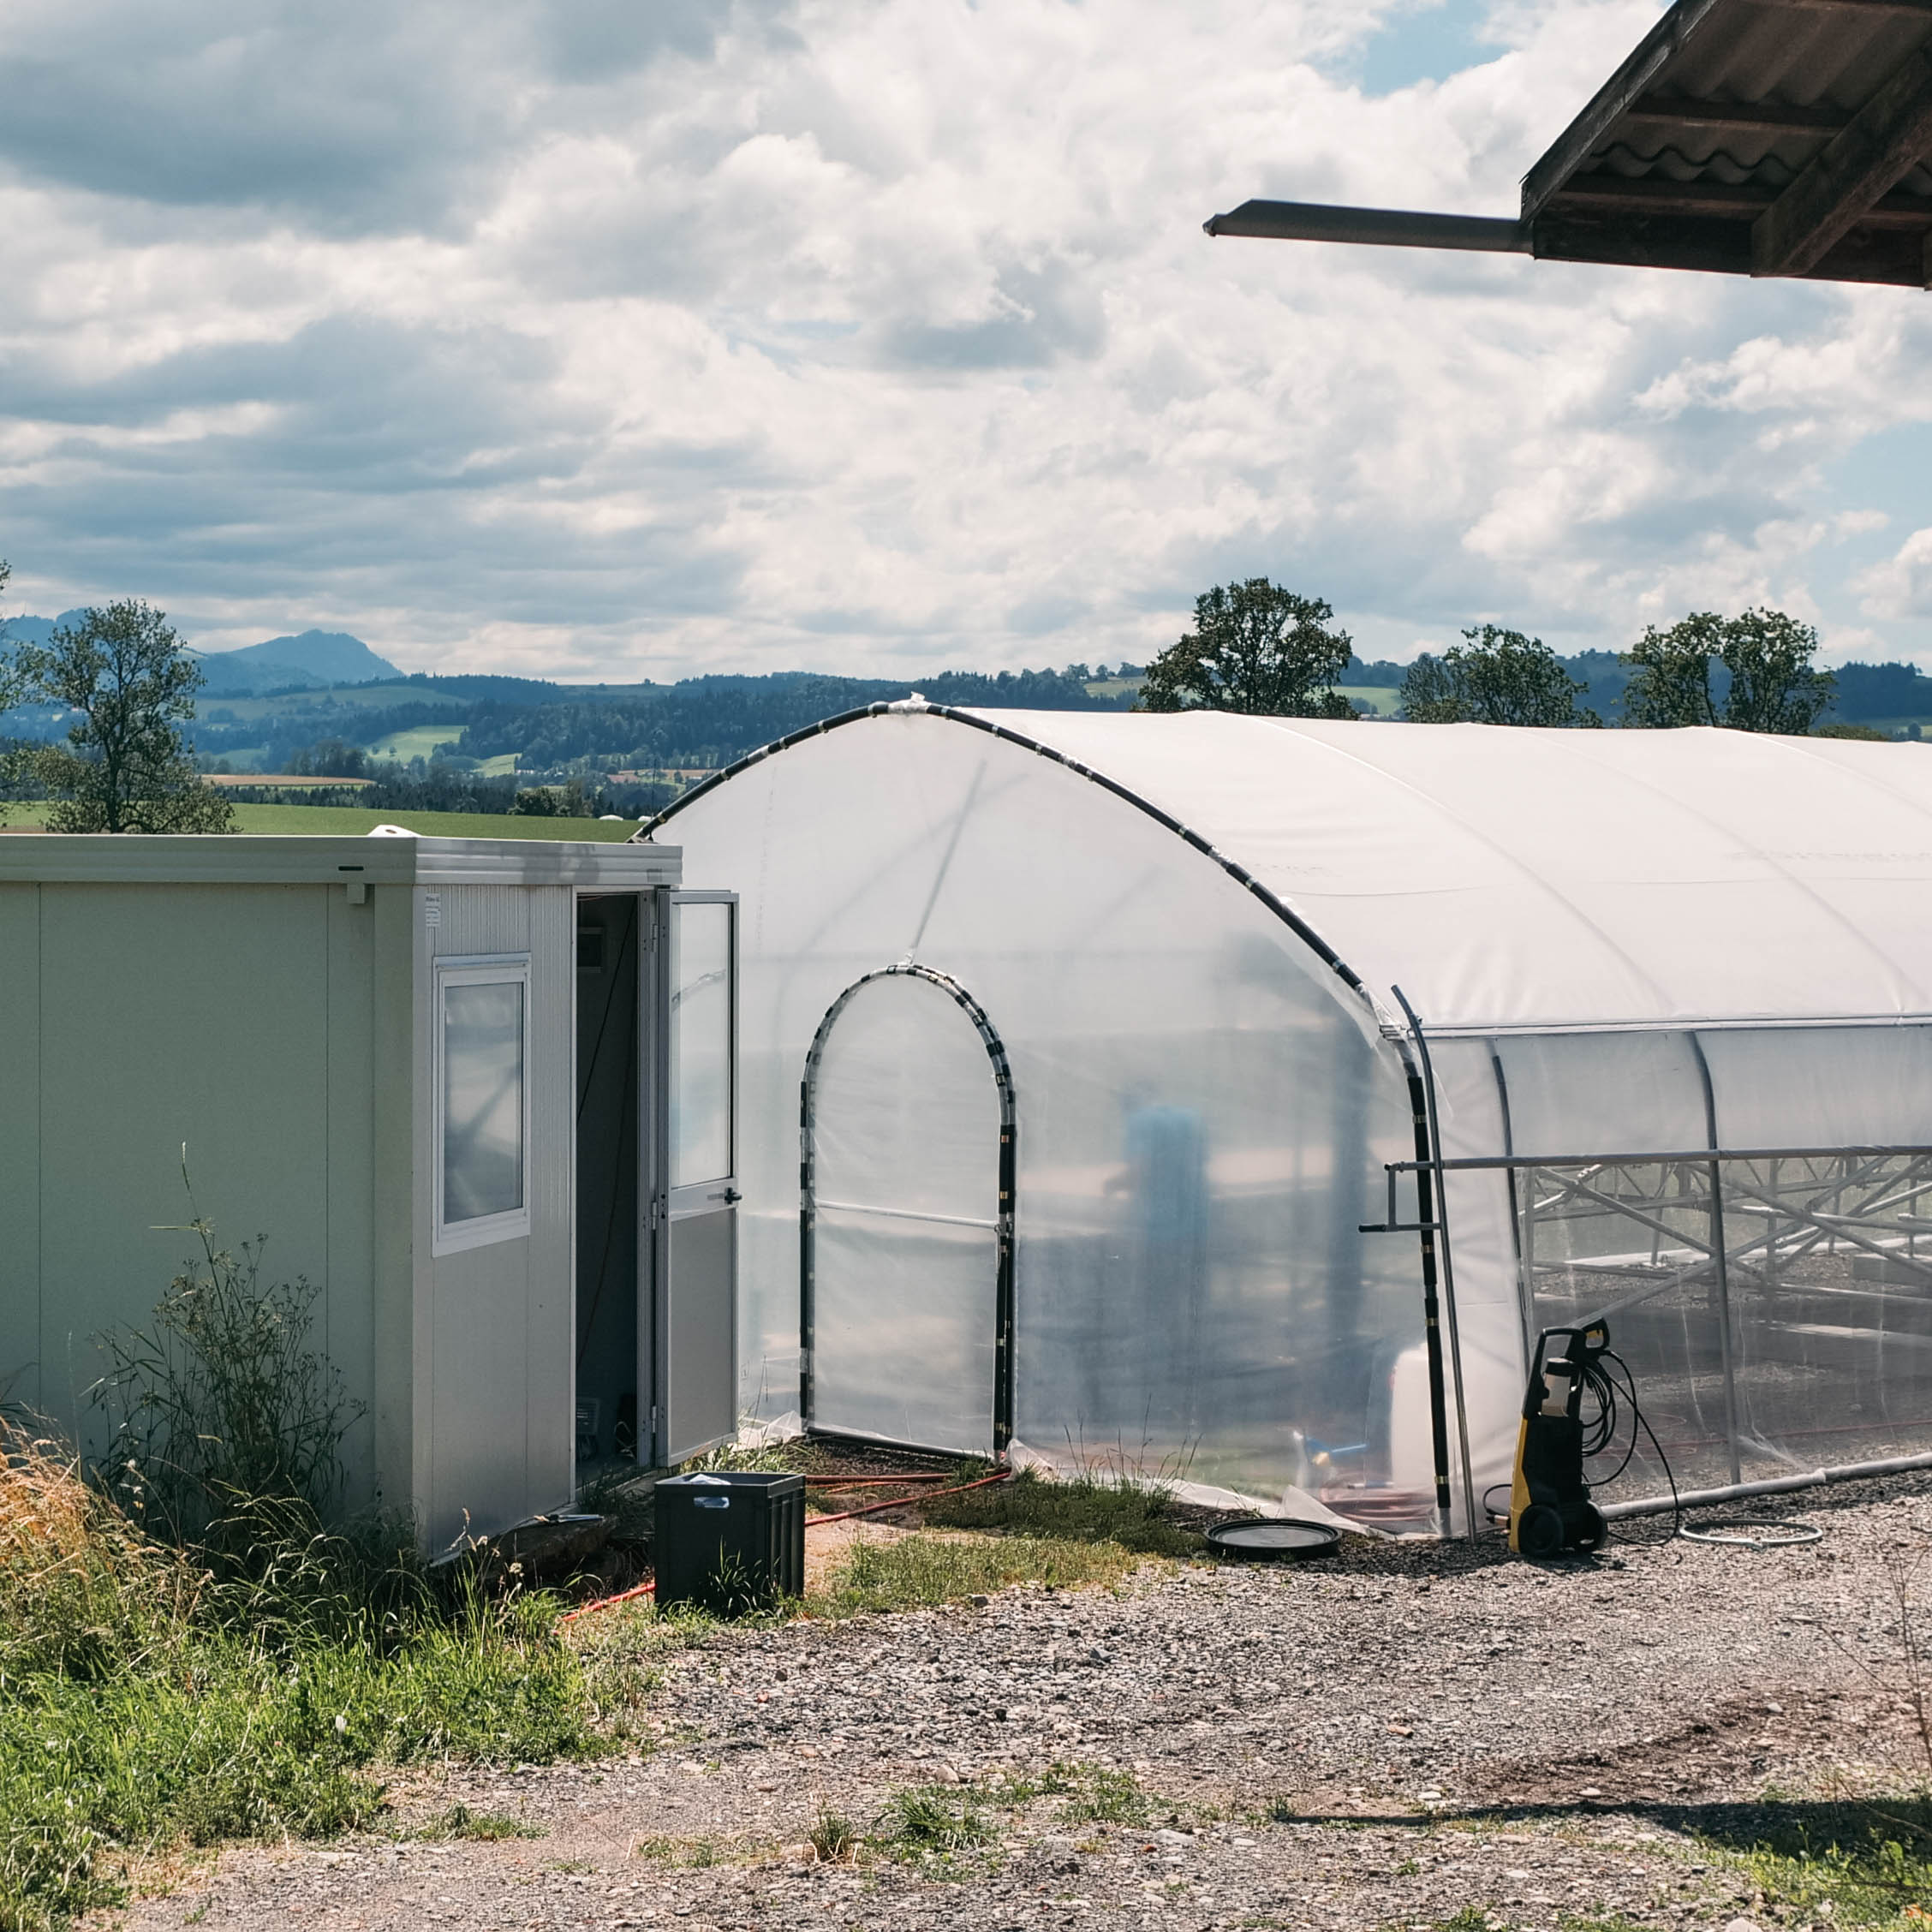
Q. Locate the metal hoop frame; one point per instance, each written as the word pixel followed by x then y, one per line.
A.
pixel 1009 1167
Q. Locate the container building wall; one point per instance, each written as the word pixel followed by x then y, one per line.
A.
pixel 242 1024
pixel 283 1036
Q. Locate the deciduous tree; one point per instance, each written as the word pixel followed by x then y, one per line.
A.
pixel 1254 647
pixel 1496 678
pixel 12 683
pixel 124 766
pixel 1769 684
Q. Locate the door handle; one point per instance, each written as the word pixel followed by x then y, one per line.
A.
pixel 729 1197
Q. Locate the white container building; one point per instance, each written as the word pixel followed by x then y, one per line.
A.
pixel 477 1092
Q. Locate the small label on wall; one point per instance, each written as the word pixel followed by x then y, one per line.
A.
pixel 433 909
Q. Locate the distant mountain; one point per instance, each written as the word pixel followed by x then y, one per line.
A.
pixel 31 630
pixel 312 658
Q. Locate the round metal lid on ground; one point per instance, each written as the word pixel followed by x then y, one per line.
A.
pixel 1259 1539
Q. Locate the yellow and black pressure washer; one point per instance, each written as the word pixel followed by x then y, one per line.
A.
pixel 1550 1505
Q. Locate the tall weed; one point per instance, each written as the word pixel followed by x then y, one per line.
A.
pixel 194 1647
pixel 228 1425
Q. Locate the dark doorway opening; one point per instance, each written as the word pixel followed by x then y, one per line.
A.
pixel 608 1120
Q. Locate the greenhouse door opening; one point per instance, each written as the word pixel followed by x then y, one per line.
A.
pixel 908 1136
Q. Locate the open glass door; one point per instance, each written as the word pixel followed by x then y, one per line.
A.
pixel 696 1207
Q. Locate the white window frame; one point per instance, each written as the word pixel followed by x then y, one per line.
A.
pixel 509 969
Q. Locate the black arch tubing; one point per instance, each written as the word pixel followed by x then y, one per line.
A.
pixel 1009 1172
pixel 1288 917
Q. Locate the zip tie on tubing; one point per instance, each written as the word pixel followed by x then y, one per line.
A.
pixel 811 1523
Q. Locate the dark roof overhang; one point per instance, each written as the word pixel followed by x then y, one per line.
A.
pixel 1745 137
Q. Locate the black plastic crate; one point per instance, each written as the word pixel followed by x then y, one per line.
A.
pixel 730 1542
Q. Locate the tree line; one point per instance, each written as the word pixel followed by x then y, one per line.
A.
pixel 1257 648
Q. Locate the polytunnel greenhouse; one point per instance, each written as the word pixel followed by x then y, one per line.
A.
pixel 1122 1090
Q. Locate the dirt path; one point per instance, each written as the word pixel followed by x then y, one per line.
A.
pixel 1437 1729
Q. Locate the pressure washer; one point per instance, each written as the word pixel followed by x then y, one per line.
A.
pixel 1550 1505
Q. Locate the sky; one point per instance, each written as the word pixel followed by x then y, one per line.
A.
pixel 604 339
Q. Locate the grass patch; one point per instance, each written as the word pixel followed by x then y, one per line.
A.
pixel 687 1854
pixel 1102 1796
pixel 834 1838
pixel 922 1572
pixel 150 1704
pixel 1868 1861
pixel 930 1824
pixel 485 1827
pixel 1137 1516
pixel 1093 1794
pixel 949 1830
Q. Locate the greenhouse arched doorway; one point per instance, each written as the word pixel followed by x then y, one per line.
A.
pixel 909 1137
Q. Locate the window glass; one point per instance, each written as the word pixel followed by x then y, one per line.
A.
pixel 482 1100
pixel 700 1046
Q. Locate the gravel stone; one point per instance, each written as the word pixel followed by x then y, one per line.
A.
pixel 1381 1740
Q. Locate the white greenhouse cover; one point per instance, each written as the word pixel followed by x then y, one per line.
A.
pixel 1184 934
pixel 1533 879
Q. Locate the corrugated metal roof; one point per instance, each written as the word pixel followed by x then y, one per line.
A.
pixel 1723 109
pixel 1757 137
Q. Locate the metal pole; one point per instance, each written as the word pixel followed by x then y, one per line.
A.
pixel 1434 1123
pixel 1722 1274
pixel 1432 1320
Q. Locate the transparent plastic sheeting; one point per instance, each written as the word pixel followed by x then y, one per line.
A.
pixel 1776 1312
pixel 905 1138
pixel 1811 1347
pixel 701 1044
pixel 1204 1110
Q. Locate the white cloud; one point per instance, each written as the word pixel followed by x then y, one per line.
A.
pixel 572 335
pixel 1900 586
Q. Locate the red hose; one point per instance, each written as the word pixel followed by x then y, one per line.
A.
pixel 897 1502
pixel 604 1602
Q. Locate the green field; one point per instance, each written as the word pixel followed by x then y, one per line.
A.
pixel 421 740
pixel 352 821
pixel 1379 700
pixel 361 697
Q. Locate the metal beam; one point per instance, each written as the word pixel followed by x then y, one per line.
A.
pixel 1728 201
pixel 1856 168
pixel 1752 117
pixel 1913 10
pixel 1310 221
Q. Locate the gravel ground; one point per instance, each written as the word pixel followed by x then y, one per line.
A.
pixel 1431 1729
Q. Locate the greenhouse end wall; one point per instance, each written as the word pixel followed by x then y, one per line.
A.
pixel 1766 1272
pixel 1204 1110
